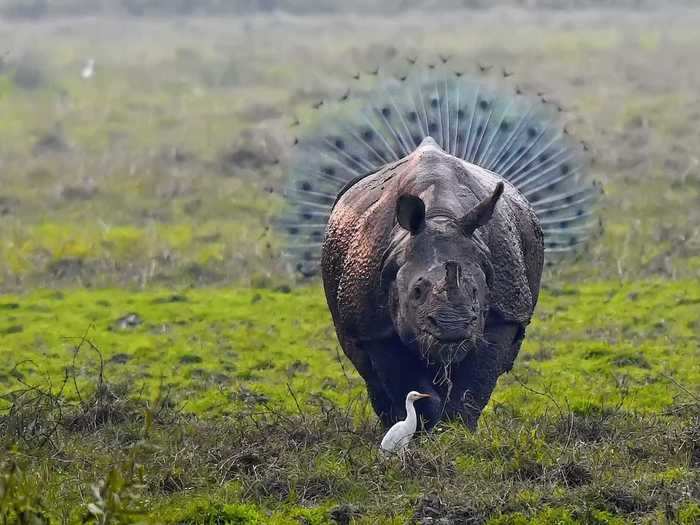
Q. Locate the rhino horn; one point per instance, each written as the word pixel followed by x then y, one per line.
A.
pixel 453 276
pixel 482 212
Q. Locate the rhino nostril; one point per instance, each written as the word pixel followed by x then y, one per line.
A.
pixel 474 318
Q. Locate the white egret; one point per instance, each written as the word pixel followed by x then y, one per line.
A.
pixel 88 69
pixel 401 433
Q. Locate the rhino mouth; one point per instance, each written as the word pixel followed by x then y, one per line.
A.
pixel 445 350
pixel 450 340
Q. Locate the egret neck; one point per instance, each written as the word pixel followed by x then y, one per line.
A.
pixel 411 418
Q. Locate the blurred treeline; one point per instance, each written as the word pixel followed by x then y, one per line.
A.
pixel 30 9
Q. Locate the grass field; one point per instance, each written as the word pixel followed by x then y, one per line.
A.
pixel 159 365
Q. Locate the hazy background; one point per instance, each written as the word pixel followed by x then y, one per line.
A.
pixel 38 8
pixel 166 164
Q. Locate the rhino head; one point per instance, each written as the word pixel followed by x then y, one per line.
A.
pixel 438 283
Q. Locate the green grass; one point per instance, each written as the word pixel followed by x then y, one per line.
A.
pixel 604 344
pixel 204 344
pixel 208 384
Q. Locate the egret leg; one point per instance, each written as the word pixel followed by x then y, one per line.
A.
pixel 402 457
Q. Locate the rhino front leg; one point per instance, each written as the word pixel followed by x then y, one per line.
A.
pixel 472 383
pixel 475 377
pixel 399 371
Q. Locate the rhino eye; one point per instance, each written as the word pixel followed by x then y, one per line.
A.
pixel 416 293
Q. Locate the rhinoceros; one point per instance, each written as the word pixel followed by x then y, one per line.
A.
pixel 431 268
pixel 430 212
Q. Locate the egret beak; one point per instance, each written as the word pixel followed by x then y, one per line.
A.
pixel 421 396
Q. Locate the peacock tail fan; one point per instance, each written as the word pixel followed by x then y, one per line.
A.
pixel 483 117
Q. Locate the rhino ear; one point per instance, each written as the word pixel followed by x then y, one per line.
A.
pixel 482 212
pixel 410 213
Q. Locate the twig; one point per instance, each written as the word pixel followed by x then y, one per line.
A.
pixel 342 366
pixel 537 392
pixel 681 387
pixel 296 402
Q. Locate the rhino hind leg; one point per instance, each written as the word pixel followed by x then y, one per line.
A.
pixel 505 337
pixel 509 356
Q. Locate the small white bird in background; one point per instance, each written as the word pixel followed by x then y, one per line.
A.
pixel 88 69
pixel 401 433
